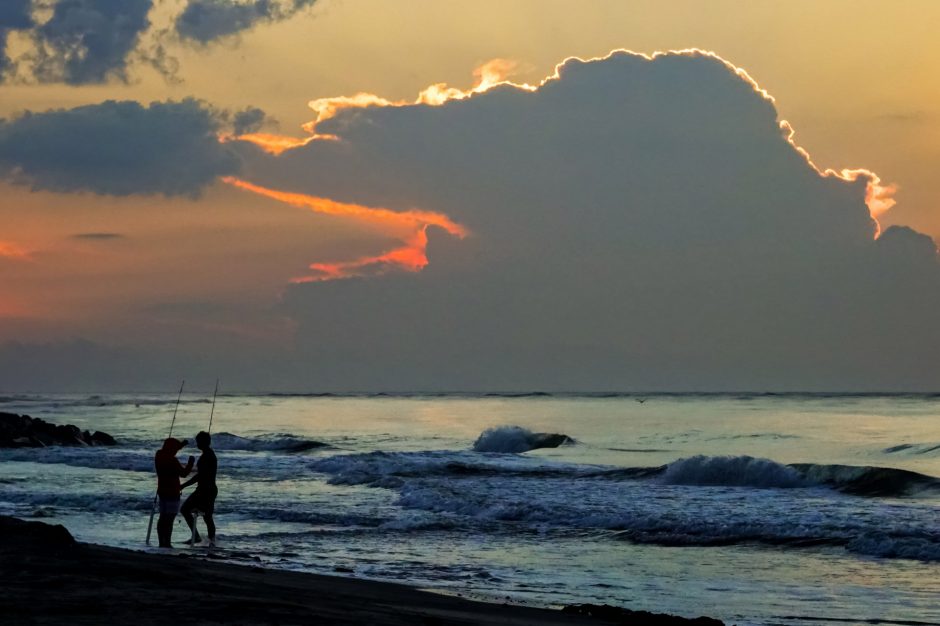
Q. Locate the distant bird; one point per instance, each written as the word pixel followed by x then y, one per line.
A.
pixel 640 400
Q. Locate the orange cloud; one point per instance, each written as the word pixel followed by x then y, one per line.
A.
pixel 272 144
pixel 410 256
pixel 10 250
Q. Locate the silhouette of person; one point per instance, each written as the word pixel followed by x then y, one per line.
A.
pixel 169 471
pixel 203 498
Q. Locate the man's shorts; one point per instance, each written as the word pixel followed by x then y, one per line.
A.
pixel 169 506
pixel 202 500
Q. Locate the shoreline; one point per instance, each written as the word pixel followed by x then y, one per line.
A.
pixel 46 577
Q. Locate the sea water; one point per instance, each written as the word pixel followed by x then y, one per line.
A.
pixel 755 509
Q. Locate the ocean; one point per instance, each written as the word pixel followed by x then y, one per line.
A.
pixel 754 509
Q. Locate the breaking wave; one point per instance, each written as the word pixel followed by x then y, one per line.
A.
pixel 515 439
pixel 732 471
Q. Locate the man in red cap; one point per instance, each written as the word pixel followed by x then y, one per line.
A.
pixel 169 471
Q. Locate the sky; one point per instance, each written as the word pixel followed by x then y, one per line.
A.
pixel 363 195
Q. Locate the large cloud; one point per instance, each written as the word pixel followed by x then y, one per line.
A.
pixel 204 21
pixel 117 148
pixel 635 223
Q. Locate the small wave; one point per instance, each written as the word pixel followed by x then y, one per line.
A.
pixel 94 458
pixel 883 545
pixel 515 439
pixel 913 448
pixel 265 443
pixel 391 469
pixel 868 481
pixel 99 503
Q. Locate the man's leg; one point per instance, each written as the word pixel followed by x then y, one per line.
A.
pixel 210 526
pixel 187 511
pixel 165 529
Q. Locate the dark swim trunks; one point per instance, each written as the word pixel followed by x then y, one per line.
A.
pixel 202 500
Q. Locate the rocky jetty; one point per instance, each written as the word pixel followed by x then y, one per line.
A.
pixel 23 431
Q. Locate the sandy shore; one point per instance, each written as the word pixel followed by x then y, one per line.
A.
pixel 46 577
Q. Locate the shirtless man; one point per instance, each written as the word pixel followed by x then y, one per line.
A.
pixel 203 498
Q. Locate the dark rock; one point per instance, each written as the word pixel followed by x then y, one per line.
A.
pixel 19 532
pixel 102 439
pixel 23 431
pixel 626 617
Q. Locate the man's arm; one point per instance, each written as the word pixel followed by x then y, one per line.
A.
pixel 191 481
pixel 184 471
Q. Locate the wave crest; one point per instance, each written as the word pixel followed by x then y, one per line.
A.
pixel 516 439
pixel 732 471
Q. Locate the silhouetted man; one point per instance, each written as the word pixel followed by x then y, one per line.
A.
pixel 203 499
pixel 169 471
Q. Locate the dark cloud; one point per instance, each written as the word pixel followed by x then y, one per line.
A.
pixel 117 148
pixel 636 224
pixel 94 41
pixel 98 236
pixel 89 41
pixel 204 21
pixel 247 121
pixel 16 14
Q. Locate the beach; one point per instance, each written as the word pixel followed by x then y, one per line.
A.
pixel 46 577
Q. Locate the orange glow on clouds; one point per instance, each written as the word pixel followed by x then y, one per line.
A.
pixel 410 256
pixel 273 144
pixel 10 250
pixel 878 197
pixel 486 76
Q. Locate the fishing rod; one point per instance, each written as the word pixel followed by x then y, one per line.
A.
pixel 212 411
pixel 153 507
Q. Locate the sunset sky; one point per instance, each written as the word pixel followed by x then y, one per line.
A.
pixel 348 195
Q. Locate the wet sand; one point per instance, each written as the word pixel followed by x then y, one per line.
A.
pixel 46 577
